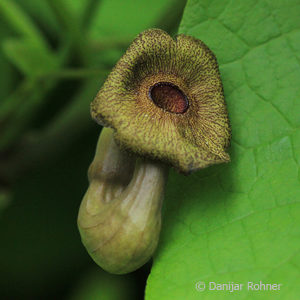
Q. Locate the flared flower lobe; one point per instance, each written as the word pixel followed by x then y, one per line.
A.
pixel 164 98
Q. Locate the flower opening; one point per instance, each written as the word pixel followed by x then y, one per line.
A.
pixel 169 97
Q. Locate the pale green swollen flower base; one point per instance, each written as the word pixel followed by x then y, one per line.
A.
pixel 120 215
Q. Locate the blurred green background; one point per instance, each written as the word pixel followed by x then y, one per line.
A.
pixel 54 57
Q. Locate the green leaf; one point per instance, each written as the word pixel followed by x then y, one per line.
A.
pixel 30 52
pixel 19 21
pixel 240 222
pixel 44 15
pixel 29 57
pixel 122 20
pixel 7 82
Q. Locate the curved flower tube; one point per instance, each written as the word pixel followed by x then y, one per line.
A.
pixel 120 215
pixel 164 105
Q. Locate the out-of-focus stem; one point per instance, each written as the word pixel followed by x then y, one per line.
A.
pixel 120 216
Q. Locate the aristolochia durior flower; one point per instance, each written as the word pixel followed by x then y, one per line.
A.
pixel 164 98
pixel 164 101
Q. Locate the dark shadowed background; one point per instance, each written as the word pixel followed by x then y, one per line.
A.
pixel 54 57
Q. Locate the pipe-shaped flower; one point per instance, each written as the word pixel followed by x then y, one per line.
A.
pixel 164 98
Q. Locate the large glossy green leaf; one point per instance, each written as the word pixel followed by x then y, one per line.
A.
pixel 240 222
